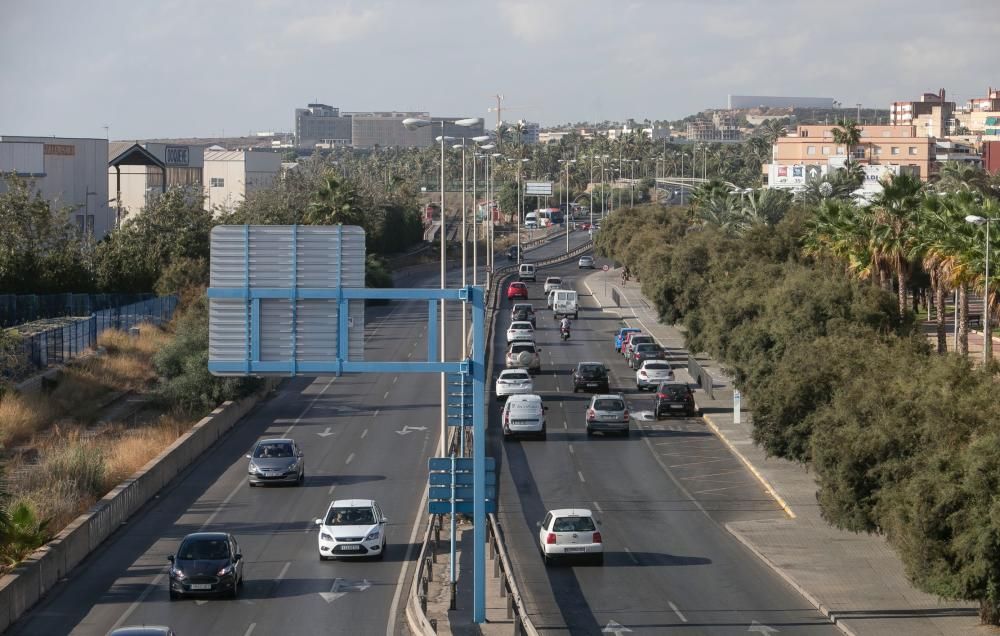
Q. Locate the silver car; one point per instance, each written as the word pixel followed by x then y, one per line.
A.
pixel 586 262
pixel 607 413
pixel 276 461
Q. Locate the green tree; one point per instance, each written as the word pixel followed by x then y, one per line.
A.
pixel 895 219
pixel 847 133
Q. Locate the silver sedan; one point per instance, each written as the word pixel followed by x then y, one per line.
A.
pixel 276 461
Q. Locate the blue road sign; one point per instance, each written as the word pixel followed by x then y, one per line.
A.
pixel 462 493
pixel 464 508
pixel 461 479
pixel 462 464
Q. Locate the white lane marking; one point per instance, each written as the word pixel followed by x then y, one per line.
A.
pixel 702 492
pixel 395 379
pixel 571 452
pixel 631 556
pixel 159 577
pixel 409 355
pixel 386 396
pixel 557 387
pixel 284 571
pixel 708 461
pixel 250 629
pixel 350 458
pixel 305 411
pixel 364 433
pixel 580 475
pixel 390 627
pixel 375 414
pixel 565 425
pixel 332 488
pixel 598 507
pixel 677 611
pixel 725 472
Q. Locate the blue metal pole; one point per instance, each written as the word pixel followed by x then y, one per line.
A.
pixel 451 562
pixel 479 455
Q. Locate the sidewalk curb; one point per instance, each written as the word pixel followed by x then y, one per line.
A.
pixel 823 609
pixel 746 462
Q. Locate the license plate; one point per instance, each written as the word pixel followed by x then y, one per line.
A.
pixel 676 406
pixel 575 549
pixel 594 384
pixel 201 586
pixel 350 548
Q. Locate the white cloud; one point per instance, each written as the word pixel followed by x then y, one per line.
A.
pixel 334 27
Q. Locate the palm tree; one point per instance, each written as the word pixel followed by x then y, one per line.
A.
pixel 955 176
pixel 335 201
pixel 848 134
pixel 842 230
pixel 895 218
pixel 771 129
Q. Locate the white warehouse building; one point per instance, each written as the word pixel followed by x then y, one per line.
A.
pixel 229 175
pixel 69 172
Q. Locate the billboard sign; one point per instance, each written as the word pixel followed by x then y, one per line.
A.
pixel 538 188
pixel 176 155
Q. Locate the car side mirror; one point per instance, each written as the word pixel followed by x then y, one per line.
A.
pixel 319 522
pixel 300 454
pixel 385 520
pixel 546 408
pixel 170 558
pixel 237 557
pixel 538 524
pixel 248 456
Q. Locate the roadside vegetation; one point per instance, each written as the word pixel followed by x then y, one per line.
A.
pixel 812 306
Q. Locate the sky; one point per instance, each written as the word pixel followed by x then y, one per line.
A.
pixel 189 68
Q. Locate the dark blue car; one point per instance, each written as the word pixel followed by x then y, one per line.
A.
pixel 621 334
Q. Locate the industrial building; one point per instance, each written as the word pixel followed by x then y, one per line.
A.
pixel 68 172
pixel 323 126
pixel 229 175
pixel 138 171
pixel 743 102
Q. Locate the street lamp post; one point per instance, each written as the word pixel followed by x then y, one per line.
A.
pixel 475 206
pixel 566 162
pixel 412 123
pixel 987 332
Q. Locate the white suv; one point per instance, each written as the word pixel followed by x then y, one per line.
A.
pixel 569 532
pixel 352 528
pixel 552 282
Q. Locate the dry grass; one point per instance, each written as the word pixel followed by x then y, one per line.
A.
pixel 131 451
pixel 21 416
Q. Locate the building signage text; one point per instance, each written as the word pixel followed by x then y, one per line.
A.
pixel 63 150
pixel 176 156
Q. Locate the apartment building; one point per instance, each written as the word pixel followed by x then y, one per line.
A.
pixel 981 116
pixel 932 115
pixel 321 125
pixel 69 172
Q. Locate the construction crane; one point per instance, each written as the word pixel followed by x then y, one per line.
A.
pixel 500 109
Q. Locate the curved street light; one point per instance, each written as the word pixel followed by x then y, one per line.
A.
pixel 987 335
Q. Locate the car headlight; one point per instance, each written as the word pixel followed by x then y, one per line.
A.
pixel 177 574
pixel 373 535
pixel 253 468
pixel 324 536
pixel 225 571
pixel 293 466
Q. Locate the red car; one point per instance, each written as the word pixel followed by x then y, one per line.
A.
pixel 517 290
pixel 585 226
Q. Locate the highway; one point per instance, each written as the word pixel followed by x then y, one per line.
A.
pixel 662 495
pixel 365 436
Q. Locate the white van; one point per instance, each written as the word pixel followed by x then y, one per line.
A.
pixel 523 414
pixel 526 272
pixel 532 218
pixel 564 303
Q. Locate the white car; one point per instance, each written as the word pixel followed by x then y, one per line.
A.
pixel 352 528
pixel 552 282
pixel 570 532
pixel 514 382
pixel 520 330
pixel 523 414
pixel 586 262
pixel 651 373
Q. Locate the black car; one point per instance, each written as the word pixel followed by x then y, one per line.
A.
pixel 645 351
pixel 674 397
pixel 523 311
pixel 206 563
pixel 590 376
pixel 512 252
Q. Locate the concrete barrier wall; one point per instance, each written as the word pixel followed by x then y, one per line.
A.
pixel 36 575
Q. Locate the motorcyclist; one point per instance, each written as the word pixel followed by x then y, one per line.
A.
pixel 564 324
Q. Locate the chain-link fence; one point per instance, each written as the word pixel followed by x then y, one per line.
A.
pixel 59 344
pixel 16 309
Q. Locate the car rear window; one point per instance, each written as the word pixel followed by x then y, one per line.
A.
pixel 657 366
pixel 521 348
pixel 593 371
pixel 642 347
pixel 638 340
pixel 674 390
pixel 609 404
pixel 520 325
pixel 515 375
pixel 573 524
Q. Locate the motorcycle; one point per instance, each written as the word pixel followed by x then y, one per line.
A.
pixel 564 333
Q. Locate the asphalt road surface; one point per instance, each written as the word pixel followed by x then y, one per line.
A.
pixel 365 436
pixel 662 495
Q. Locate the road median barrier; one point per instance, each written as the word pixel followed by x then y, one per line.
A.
pixel 23 586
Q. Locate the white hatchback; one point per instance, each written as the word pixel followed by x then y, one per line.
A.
pixel 520 330
pixel 513 382
pixel 352 528
pixel 523 414
pixel 651 373
pixel 552 282
pixel 570 532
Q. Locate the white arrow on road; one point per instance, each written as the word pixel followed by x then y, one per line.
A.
pixel 615 628
pixel 326 433
pixel 341 587
pixel 761 628
pixel 406 430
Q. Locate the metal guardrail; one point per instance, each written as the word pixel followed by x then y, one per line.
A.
pixel 701 376
pixel 508 587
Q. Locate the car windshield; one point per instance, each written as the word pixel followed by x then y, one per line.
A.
pixel 278 449
pixel 593 371
pixel 573 524
pixel 204 550
pixel 350 517
pixel 609 404
pixel 657 366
